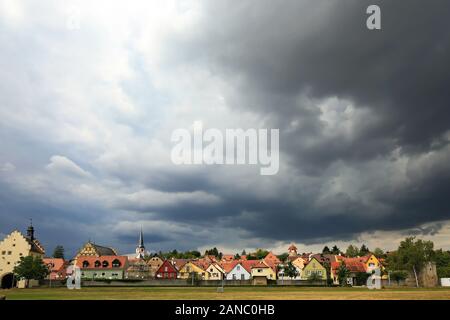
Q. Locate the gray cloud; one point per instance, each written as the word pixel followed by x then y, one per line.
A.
pixel 86 117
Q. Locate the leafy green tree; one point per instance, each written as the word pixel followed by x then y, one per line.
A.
pixel 343 273
pixel 363 250
pixel 352 251
pixel 290 270
pixel 398 275
pixel 243 253
pixel 379 253
pixel 212 252
pixel 442 258
pixel 261 253
pixel 335 250
pixel 283 256
pixel 31 268
pixel 326 250
pixel 58 253
pixel 411 255
pixel 443 272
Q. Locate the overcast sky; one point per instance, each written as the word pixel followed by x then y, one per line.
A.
pixel 91 91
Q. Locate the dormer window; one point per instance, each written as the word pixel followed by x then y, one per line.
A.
pixel 116 263
pixel 97 264
pixel 85 264
pixel 105 264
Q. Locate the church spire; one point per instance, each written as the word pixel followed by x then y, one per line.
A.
pixel 140 250
pixel 141 239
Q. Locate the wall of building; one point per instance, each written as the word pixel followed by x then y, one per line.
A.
pixel 102 274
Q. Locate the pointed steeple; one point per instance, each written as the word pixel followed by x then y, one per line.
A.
pixel 140 250
pixel 141 239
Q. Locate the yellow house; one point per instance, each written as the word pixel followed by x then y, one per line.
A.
pixel 190 268
pixel 298 262
pixel 14 247
pixel 314 267
pixel 262 269
pixel 372 262
pixel 215 271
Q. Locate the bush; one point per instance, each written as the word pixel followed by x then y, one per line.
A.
pixel 443 272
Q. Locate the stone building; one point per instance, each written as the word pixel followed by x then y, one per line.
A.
pixel 12 248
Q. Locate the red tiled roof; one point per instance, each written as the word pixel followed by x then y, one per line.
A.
pixel 109 259
pixel 271 258
pixel 56 263
pixel 229 265
pixel 178 263
pixel 351 264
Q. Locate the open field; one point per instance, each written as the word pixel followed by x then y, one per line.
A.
pixel 208 293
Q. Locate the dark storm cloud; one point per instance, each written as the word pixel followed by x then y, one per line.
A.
pixel 325 49
pixel 275 56
pixel 281 61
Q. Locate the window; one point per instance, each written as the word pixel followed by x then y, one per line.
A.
pixel 166 269
pixel 238 268
pixel 234 277
pixel 242 277
pixel 9 252
pixel 116 263
pixel 97 264
pixel 3 252
pixel 105 264
pixel 85 264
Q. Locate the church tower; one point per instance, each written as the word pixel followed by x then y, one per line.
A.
pixel 140 250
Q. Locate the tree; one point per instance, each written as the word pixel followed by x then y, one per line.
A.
pixel 335 250
pixel 243 253
pixel 31 268
pixel 352 251
pixel 58 253
pixel 290 270
pixel 411 255
pixel 343 273
pixel 326 250
pixel 283 256
pixel 379 253
pixel 398 275
pixel 364 250
pixel 442 258
pixel 261 254
pixel 212 252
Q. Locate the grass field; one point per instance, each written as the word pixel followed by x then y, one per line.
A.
pixel 232 293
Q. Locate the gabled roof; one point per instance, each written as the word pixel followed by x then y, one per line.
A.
pixel 271 258
pixel 36 246
pixel 352 266
pixel 178 263
pixel 328 258
pixel 55 264
pixel 229 265
pixel 123 260
pixel 104 251
pixel 170 267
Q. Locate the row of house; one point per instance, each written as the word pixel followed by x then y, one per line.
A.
pixel 101 262
pixel 98 262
